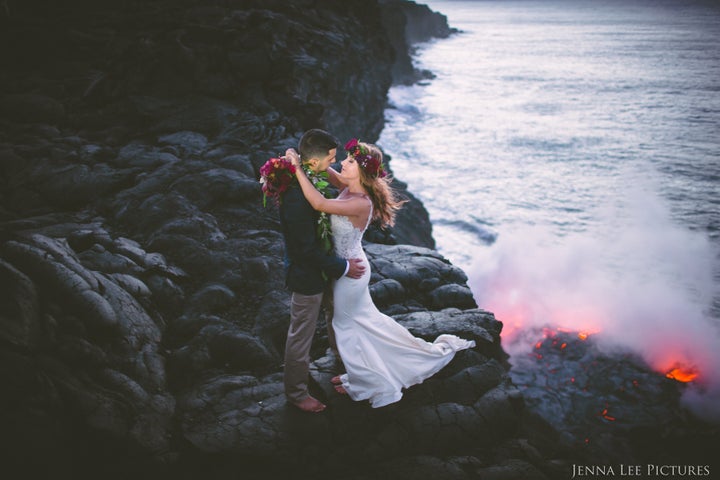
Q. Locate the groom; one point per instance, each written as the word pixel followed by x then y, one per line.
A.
pixel 308 267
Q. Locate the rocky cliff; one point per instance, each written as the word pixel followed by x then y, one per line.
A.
pixel 143 311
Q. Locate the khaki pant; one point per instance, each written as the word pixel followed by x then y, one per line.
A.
pixel 304 313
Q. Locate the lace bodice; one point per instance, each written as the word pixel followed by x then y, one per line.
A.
pixel 347 238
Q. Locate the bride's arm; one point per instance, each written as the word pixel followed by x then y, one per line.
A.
pixel 349 207
pixel 336 179
pixel 334 176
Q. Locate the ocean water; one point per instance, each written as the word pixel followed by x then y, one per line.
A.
pixel 568 153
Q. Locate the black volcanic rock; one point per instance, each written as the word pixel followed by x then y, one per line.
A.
pixel 83 317
pixel 408 23
pixel 144 314
pixel 608 402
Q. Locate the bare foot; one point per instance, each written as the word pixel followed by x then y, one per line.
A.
pixel 310 405
pixel 336 380
pixel 340 389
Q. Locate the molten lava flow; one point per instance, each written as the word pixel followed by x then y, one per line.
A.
pixel 682 373
pixel 518 318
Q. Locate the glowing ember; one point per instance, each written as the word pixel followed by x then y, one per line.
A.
pixel 605 415
pixel 583 335
pixel 682 373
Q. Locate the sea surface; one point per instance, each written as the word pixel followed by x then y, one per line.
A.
pixel 568 153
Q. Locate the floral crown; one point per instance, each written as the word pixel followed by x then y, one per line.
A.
pixel 368 162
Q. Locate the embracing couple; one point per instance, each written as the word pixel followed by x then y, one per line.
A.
pixel 379 355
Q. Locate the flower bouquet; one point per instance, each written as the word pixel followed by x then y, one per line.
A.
pixel 275 177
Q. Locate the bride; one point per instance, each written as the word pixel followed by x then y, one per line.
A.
pixel 381 357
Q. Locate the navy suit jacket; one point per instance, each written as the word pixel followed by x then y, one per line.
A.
pixel 306 260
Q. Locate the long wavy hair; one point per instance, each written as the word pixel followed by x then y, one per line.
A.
pixel 384 198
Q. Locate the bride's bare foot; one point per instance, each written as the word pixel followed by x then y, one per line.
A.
pixel 340 389
pixel 336 380
pixel 310 405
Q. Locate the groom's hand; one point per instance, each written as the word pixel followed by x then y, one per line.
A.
pixel 356 269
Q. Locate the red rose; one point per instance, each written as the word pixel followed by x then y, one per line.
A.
pixel 275 176
pixel 351 144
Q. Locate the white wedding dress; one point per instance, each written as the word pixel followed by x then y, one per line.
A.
pixel 381 356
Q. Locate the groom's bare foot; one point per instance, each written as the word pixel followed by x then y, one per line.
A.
pixel 336 380
pixel 340 389
pixel 310 405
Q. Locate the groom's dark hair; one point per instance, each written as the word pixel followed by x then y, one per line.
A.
pixel 316 143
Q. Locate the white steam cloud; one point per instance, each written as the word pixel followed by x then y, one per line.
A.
pixel 646 284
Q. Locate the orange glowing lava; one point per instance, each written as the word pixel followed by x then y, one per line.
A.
pixel 682 373
pixel 583 322
pixel 605 415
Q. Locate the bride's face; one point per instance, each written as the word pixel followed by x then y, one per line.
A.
pixel 350 167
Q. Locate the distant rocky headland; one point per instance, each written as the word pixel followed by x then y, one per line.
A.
pixel 143 309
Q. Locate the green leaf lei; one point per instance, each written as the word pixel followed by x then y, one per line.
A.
pixel 321 184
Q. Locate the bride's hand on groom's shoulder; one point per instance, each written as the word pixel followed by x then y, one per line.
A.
pixel 293 156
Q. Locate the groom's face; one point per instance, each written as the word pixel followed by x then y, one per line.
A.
pixel 323 163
